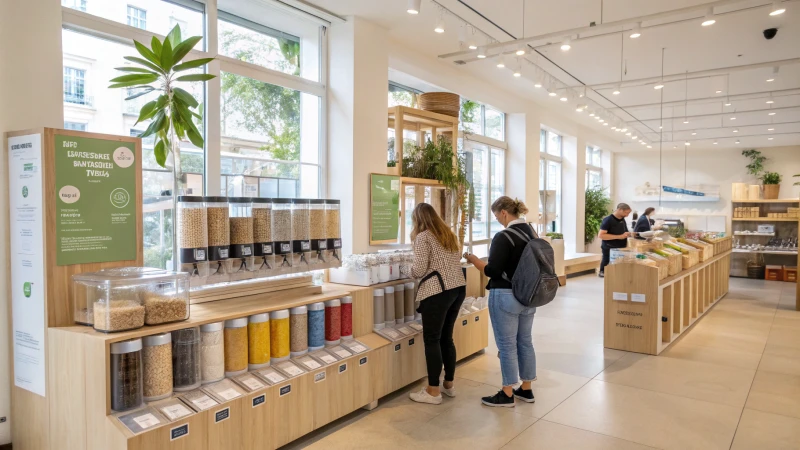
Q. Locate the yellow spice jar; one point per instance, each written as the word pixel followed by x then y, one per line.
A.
pixel 258 341
pixel 235 346
pixel 279 335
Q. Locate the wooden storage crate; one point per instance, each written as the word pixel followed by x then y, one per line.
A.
pixel 790 274
pixel 663 267
pixel 774 273
pixel 706 250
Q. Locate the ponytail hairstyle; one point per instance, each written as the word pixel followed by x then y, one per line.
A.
pixel 425 218
pixel 513 206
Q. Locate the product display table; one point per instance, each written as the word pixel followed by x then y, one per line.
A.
pixel 645 315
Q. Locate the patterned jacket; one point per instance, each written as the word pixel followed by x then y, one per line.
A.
pixel 430 257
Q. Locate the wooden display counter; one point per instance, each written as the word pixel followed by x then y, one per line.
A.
pixel 645 315
pixel 77 413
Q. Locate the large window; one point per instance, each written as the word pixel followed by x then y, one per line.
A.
pixel 485 167
pixel 266 114
pixel 550 181
pixel 400 95
pixel 483 120
pixel 594 167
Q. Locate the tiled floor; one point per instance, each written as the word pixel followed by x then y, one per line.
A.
pixel 732 382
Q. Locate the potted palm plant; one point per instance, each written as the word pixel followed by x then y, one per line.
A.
pixel 172 114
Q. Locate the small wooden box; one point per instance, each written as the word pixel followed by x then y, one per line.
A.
pixel 790 274
pixel 774 273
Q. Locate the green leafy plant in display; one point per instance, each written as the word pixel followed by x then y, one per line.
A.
pixel 555 235
pixel 172 114
pixel 771 178
pixel 598 206
pixel 756 165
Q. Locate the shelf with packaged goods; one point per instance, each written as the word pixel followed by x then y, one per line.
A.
pixel 766 219
pixel 766 252
pixel 740 233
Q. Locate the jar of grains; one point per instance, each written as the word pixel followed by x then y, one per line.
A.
pixel 301 233
pixel 219 239
pixel 157 358
pixel 212 352
pixel 262 237
pixel 258 341
pixel 333 231
pixel 168 300
pixel 319 241
pixel 235 346
pixel 388 306
pixel 378 321
pixel 347 318
pixel 186 359
pixel 333 322
pixel 241 218
pixel 282 234
pixel 126 375
pixel 409 306
pixel 399 303
pixel 298 331
pixel 193 237
pixel 316 326
pixel 279 336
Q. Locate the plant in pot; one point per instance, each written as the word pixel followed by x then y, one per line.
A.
pixel 772 184
pixel 172 114
pixel 598 206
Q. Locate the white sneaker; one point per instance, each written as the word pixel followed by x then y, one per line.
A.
pixel 423 397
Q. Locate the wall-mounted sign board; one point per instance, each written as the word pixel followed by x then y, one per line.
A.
pixel 384 208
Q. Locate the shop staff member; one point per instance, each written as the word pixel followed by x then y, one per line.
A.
pixel 614 233
pixel 644 223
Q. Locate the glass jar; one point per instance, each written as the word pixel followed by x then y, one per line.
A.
pixel 316 326
pixel 333 231
pixel 378 320
pixel 388 306
pixel 258 341
pixel 262 237
pixel 127 387
pixel 347 318
pixel 282 234
pixel 186 359
pixel 219 239
pixel 399 304
pixel 235 346
pixel 212 352
pixel 301 234
pixel 333 322
pixel 193 238
pixel 316 231
pixel 157 358
pixel 409 305
pixel 240 210
pixel 298 331
pixel 279 336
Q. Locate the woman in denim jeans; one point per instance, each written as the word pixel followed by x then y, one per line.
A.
pixel 512 322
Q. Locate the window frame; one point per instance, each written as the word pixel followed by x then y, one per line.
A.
pixel 74 82
pixel 139 17
pixel 592 168
pixel 491 145
pixel 546 157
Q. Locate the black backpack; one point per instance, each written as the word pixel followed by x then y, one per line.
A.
pixel 534 282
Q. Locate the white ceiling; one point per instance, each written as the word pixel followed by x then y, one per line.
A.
pixel 598 56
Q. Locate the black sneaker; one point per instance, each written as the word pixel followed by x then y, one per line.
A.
pixel 601 274
pixel 526 395
pixel 499 399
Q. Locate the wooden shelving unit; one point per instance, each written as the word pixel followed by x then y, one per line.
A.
pixel 765 219
pixel 778 200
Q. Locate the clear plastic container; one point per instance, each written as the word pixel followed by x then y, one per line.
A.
pixel 212 352
pixel 142 420
pixel 316 326
pixel 173 409
pixel 127 383
pixel 263 249
pixel 224 390
pixel 319 238
pixel 347 317
pixel 235 347
pixel 378 315
pixel 157 358
pixel 199 400
pixel 193 238
pixel 258 341
pixel 333 322
pixel 301 234
pixel 333 231
pixel 240 210
pixel 249 382
pixel 298 331
pixel 409 305
pixel 125 298
pixel 388 306
pixel 282 234
pixel 219 239
pixel 279 336
pixel 186 359
pixel 270 376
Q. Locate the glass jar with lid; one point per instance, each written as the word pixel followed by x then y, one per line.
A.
pixel 319 240
pixel 282 234
pixel 157 358
pixel 236 352
pixel 186 359
pixel 219 239
pixel 262 237
pixel 333 231
pixel 241 228
pixel 301 234
pixel 192 223
pixel 127 384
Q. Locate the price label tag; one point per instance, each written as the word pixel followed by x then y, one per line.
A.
pixel 358 348
pixel 229 394
pixel 179 432
pixel 274 377
pixel 253 383
pixel 291 369
pixel 620 296
pixel 639 298
pixel 342 353
pixel 310 363
pixel 175 412
pixel 415 326
pixel 146 421
pixel 204 402
pixel 405 330
pixel 327 358
pixel 391 333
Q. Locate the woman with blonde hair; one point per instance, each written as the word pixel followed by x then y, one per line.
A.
pixel 512 322
pixel 442 288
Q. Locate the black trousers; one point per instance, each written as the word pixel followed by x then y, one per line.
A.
pixel 606 257
pixel 439 315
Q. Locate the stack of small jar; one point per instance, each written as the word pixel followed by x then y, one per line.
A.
pixel 223 239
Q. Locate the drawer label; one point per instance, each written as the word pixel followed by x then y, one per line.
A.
pixel 319 377
pixel 222 414
pixel 411 342
pixel 638 298
pixel 397 347
pixel 477 318
pixel 343 368
pixel 362 361
pixel 179 432
pixel 620 296
pixel 259 400
pixel 464 323
pixel 285 390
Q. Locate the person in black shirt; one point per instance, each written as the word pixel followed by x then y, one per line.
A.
pixel 614 233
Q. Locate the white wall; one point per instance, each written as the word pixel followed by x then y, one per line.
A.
pixel 30 96
pixel 722 167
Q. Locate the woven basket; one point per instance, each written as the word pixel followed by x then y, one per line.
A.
pixel 440 102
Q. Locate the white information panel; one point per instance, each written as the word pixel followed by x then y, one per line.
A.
pixel 27 260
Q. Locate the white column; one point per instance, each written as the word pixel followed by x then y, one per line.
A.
pixel 571 182
pixel 522 161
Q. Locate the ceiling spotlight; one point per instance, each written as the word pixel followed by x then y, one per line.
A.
pixel 520 51
pixel 709 20
pixel 719 92
pixel 439 25
pixel 628 133
pixel 649 146
pixel 738 142
pixel 685 120
pixel 517 72
pixel 472 46
pixel 770 80
pixel 733 118
pixel 551 93
pixel 715 142
pixel 658 86
pixel 637 30
pixel 624 130
pixel 769 138
pixel 660 127
pixel 634 137
pixel 616 91
pixel 735 130
pixel 769 102
pixel 578 109
pixel 770 129
pixel 565 45
pixel 605 124
pixel 687 143
pixel 727 103
pixel 771 114
pixel 501 63
pixel 614 128
pixel 777 9
pixel 537 85
pixel 481 53
pixel 413 6
pixel 591 114
pixel 694 133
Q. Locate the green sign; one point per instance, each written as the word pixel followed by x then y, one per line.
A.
pixel 384 208
pixel 95 200
pixel 27 289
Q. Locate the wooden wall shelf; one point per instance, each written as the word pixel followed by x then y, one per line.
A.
pixel 766 219
pixel 779 200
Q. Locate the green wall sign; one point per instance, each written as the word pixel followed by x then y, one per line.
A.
pixel 384 208
pixel 95 200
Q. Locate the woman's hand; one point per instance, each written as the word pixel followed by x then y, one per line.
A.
pixel 471 258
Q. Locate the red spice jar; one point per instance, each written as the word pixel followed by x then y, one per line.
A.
pixel 347 317
pixel 333 322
